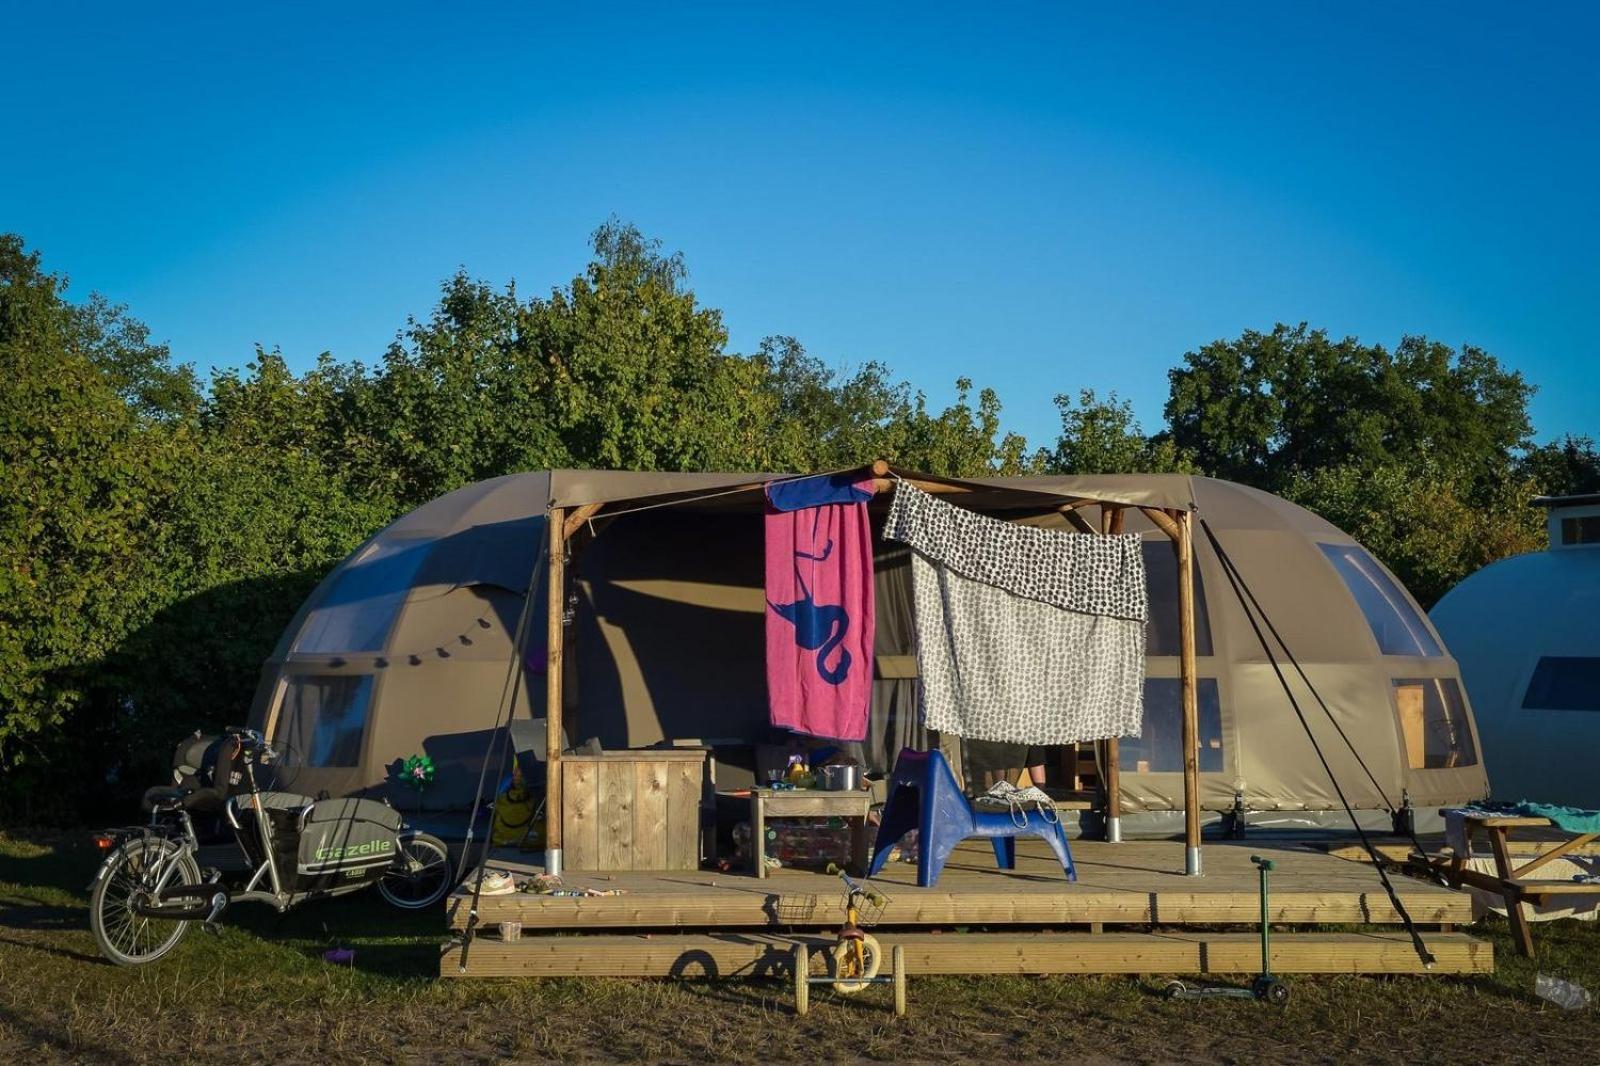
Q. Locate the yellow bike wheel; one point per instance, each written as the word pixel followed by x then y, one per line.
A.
pixel 849 977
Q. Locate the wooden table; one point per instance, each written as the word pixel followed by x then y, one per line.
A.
pixel 808 803
pixel 1513 882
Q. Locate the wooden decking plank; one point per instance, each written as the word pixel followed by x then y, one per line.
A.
pixel 1134 883
pixel 757 955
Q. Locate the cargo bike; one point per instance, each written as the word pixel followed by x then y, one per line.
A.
pixel 289 849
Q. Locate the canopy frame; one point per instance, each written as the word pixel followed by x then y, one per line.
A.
pixel 566 522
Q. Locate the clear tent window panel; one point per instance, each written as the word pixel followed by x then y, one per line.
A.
pixel 1564 683
pixel 357 613
pixel 1395 622
pixel 1433 722
pixel 322 719
pixel 1161 579
pixel 1159 747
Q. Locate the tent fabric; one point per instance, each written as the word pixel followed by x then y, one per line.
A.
pixel 1508 623
pixel 571 488
pixel 667 639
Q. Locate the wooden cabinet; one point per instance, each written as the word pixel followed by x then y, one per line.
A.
pixel 632 810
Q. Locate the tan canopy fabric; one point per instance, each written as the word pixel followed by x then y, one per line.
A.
pixel 403 648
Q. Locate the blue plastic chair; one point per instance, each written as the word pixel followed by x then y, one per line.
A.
pixel 923 795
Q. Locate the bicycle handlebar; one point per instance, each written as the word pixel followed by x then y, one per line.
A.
pixel 251 740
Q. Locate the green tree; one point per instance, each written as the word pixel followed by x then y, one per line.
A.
pixel 1266 406
pixel 93 442
pixel 1566 467
pixel 1103 437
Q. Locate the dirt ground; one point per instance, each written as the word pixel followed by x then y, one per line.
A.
pixel 260 992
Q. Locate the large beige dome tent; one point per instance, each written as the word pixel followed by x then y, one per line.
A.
pixel 403 649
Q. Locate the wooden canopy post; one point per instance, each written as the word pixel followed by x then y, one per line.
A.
pixel 1179 525
pixel 1190 694
pixel 555 639
pixel 1110 750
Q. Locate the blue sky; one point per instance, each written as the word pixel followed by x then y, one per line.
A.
pixel 1042 198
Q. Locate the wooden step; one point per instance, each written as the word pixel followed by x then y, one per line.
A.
pixel 738 903
pixel 759 954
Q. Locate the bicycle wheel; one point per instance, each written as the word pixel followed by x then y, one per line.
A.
pixel 124 936
pixel 421 874
pixel 849 975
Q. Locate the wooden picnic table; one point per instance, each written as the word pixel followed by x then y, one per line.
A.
pixel 1513 883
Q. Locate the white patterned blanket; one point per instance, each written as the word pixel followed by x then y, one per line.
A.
pixel 1024 635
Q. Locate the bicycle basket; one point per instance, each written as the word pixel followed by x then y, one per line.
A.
pixel 870 905
pixel 796 909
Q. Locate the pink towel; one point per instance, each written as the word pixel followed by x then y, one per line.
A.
pixel 820 619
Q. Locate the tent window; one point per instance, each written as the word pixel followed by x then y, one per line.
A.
pixel 1564 683
pixel 322 719
pixel 1585 529
pixel 1433 720
pixel 1159 748
pixel 1161 578
pixel 357 613
pixel 1395 623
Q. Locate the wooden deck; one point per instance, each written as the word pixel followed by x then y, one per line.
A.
pixel 1137 883
pixel 1031 919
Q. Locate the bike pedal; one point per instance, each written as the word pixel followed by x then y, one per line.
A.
pixel 213 928
pixel 211 875
pixel 219 903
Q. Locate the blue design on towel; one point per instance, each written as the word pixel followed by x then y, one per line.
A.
pixel 818 627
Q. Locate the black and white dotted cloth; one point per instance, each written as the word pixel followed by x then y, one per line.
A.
pixel 1024 635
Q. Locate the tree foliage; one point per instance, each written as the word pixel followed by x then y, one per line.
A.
pixel 1566 467
pixel 1103 437
pixel 1268 406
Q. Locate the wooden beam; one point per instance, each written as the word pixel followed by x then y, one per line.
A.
pixel 578 518
pixel 1184 545
pixel 555 634
pixel 742 955
pixel 1076 520
pixel 1112 517
pixel 935 488
pixel 1163 521
pixel 1111 780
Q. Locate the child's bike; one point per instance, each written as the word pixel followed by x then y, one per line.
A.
pixel 856 957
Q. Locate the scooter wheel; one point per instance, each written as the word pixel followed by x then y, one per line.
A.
pixel 1275 992
pixel 1174 989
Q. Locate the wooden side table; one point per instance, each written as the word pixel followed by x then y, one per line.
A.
pixel 808 803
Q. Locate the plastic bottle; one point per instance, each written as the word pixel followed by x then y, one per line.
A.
pixel 1565 994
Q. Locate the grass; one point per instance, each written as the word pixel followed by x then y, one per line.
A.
pixel 260 992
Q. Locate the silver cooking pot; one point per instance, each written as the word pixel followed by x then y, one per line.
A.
pixel 841 778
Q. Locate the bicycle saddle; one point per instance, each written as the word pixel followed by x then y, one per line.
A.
pixel 200 800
